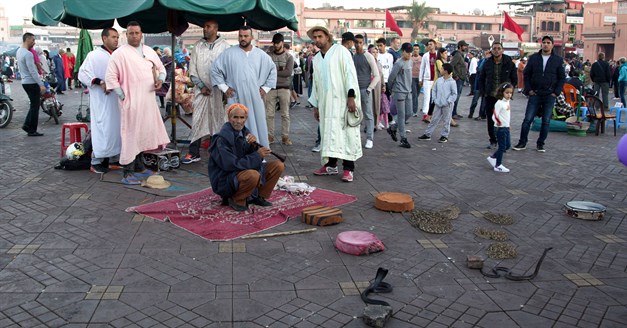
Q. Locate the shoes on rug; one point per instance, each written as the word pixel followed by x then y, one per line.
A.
pixel 131 180
pixel 189 159
pixel 260 201
pixel 145 173
pixel 237 207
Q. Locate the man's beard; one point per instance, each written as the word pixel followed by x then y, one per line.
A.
pixel 244 44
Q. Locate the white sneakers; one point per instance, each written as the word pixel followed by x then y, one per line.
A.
pixel 501 169
pixel 369 144
pixel 492 161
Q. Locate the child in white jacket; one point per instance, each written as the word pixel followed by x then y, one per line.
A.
pixel 501 124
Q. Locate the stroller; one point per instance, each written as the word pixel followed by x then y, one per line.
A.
pixel 79 115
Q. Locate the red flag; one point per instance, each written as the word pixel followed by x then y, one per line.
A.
pixel 509 24
pixel 391 23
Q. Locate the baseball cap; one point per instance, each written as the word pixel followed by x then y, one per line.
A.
pixel 461 43
pixel 348 36
pixel 407 47
pixel 547 37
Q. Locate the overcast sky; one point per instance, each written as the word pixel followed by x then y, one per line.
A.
pixel 16 10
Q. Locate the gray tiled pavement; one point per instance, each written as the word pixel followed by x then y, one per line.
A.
pixel 71 256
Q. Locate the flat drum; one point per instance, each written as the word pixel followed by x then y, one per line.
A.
pixel 585 210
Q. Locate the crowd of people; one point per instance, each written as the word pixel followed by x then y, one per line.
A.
pixel 235 92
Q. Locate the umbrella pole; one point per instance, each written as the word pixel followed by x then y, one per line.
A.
pixel 173 109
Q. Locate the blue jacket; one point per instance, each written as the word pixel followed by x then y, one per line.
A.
pixel 229 155
pixel 547 81
pixel 622 74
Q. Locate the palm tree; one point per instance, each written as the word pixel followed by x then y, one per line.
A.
pixel 419 14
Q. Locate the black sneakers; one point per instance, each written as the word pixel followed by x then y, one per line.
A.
pixel 424 137
pixel 405 143
pixel 392 132
pixel 519 146
pixel 540 149
pixel 443 139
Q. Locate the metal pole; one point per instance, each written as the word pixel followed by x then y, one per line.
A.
pixel 173 108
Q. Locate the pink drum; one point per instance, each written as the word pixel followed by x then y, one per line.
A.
pixel 358 243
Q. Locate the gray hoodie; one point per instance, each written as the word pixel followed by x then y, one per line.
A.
pixel 399 80
pixel 444 92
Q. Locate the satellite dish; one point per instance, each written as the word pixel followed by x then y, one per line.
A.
pixel 477 12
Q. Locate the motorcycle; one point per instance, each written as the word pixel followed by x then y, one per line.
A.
pixel 50 105
pixel 6 107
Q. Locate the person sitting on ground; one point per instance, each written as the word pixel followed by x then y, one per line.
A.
pixel 236 165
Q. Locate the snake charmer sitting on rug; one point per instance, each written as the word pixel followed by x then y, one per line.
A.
pixel 237 169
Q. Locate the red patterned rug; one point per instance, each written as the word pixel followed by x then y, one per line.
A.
pixel 201 213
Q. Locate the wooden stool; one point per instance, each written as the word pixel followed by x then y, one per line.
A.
pixel 358 243
pixel 75 134
pixel 394 202
pixel 321 215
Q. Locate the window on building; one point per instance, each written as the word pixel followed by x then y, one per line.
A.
pixel 550 26
pixel 445 25
pixel 362 23
pixel 557 26
pixel 464 26
pixel 404 24
pixel 483 27
pixel 572 29
pixel 311 22
pixel 543 26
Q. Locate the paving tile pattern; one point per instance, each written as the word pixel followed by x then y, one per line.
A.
pixel 71 256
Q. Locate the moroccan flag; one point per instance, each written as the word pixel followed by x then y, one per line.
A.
pixel 509 24
pixel 391 23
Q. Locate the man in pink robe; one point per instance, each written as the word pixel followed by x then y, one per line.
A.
pixel 134 73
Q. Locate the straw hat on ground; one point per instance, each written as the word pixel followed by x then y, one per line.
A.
pixel 156 182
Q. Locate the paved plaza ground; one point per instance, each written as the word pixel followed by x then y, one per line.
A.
pixel 71 256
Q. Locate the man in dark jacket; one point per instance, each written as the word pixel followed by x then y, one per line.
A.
pixel 495 71
pixel 236 167
pixel 601 76
pixel 544 80
pixel 460 72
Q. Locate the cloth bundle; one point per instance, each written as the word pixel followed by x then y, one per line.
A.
pixel 287 183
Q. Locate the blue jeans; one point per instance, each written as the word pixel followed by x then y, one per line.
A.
pixel 504 141
pixel 542 105
pixel 460 87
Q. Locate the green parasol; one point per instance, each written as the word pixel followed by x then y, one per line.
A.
pixel 84 47
pixel 174 16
